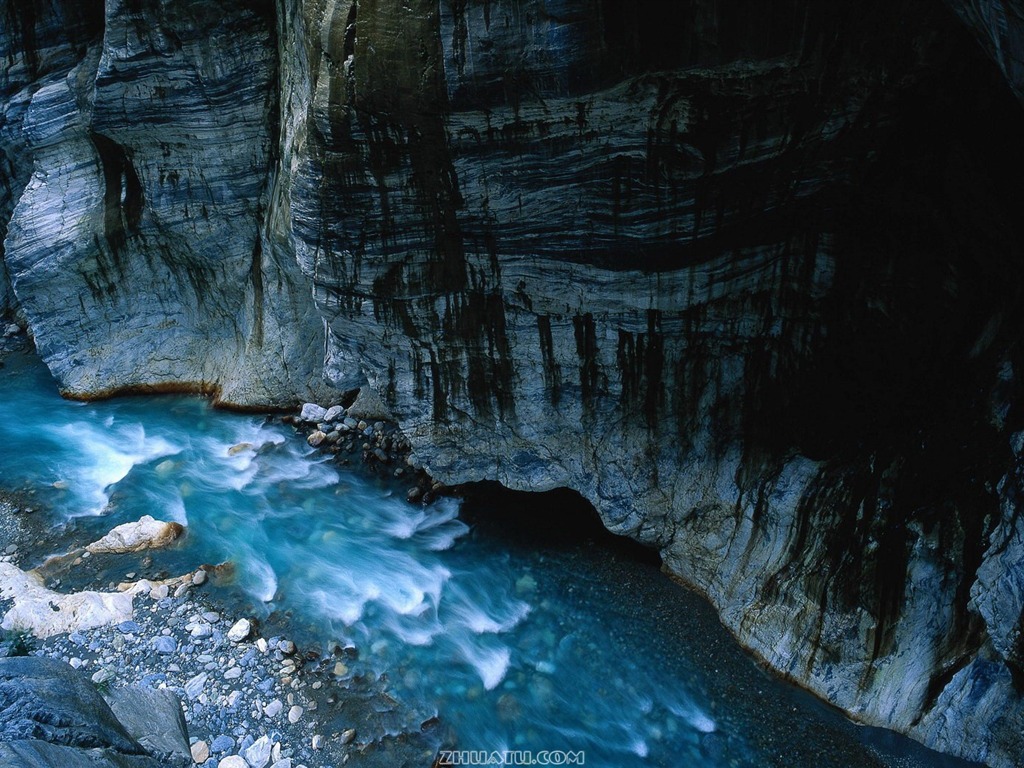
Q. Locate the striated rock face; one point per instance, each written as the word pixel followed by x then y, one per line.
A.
pixel 746 280
pixel 749 279
pixel 999 27
pixel 139 139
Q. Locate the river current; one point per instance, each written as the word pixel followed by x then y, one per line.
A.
pixel 516 641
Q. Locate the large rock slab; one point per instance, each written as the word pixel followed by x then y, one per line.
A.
pixel 154 719
pixel 52 715
pixel 50 701
pixel 39 754
pixel 44 612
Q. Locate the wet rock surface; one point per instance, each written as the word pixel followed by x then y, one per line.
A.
pixel 146 533
pixel 378 447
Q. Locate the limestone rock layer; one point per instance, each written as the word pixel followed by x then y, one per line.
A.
pixel 746 276
pixel 139 140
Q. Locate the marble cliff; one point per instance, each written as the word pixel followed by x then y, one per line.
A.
pixel 746 276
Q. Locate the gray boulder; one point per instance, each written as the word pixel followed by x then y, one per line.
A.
pixel 52 715
pixel 312 413
pixel 40 754
pixel 154 719
pixel 47 700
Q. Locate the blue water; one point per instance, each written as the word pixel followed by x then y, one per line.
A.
pixel 515 647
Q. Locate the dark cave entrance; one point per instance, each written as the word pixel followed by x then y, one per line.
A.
pixel 558 520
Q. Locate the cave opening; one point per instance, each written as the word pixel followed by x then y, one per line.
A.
pixel 559 519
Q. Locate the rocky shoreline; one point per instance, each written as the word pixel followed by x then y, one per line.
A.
pixel 364 433
pixel 248 694
pixel 251 697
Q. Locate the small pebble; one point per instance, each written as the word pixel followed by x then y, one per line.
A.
pixel 164 644
pixel 257 754
pixel 200 752
pixel 240 630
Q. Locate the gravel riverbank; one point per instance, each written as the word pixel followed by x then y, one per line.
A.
pixel 247 692
pixel 252 698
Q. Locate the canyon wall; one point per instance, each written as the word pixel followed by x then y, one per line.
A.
pixel 138 141
pixel 749 279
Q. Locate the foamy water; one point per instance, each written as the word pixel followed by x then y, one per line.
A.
pixel 497 641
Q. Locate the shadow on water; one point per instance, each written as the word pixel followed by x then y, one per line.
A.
pixel 669 623
pixel 554 520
